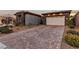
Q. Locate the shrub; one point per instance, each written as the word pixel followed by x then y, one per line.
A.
pixel 5 29
pixel 70 22
pixel 73 32
pixel 72 39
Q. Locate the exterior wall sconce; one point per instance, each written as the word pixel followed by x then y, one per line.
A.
pixel 60 13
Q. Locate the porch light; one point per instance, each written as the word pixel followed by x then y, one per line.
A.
pixel 49 14
pixel 60 13
pixel 53 14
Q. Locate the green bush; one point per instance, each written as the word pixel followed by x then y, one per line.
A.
pixel 72 39
pixel 70 22
pixel 5 29
pixel 73 32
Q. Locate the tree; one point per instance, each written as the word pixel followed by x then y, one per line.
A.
pixel 70 22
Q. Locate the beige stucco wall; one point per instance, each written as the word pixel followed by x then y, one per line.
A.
pixel 57 20
pixel 0 20
pixel 77 20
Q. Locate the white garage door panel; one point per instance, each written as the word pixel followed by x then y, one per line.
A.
pixel 55 20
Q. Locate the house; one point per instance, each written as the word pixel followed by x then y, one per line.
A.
pixel 51 18
pixel 57 17
pixel 26 18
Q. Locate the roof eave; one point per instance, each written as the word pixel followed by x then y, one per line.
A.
pixel 68 11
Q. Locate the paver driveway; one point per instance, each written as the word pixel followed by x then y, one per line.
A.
pixel 42 37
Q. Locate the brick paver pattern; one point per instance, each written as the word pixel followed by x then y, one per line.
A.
pixel 41 37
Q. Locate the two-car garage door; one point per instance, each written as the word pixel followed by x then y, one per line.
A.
pixel 58 20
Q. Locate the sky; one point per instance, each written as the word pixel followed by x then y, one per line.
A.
pixel 2 12
pixel 5 12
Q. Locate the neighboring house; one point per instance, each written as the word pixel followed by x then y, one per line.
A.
pixel 26 18
pixel 57 18
pixel 6 20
